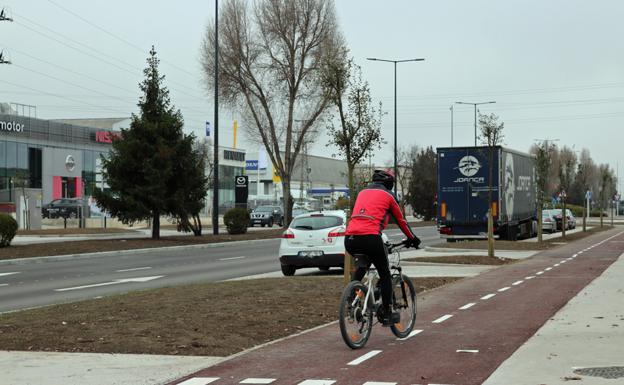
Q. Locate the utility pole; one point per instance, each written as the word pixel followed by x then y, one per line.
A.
pixel 4 17
pixel 215 171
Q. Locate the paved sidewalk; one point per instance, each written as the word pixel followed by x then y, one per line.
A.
pixel 588 332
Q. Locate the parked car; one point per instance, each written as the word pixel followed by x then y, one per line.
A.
pixel 313 239
pixel 570 220
pixel 549 222
pixel 266 216
pixel 65 208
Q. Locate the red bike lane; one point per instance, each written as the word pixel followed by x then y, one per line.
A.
pixel 468 328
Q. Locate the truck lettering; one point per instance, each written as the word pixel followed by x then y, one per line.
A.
pixel 479 179
pixel 524 183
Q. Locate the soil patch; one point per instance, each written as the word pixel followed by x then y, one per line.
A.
pixel 515 245
pixel 212 319
pixel 75 231
pixel 465 260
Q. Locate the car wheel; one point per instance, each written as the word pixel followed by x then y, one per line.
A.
pixel 270 222
pixel 281 222
pixel 323 268
pixel 288 270
pixel 262 224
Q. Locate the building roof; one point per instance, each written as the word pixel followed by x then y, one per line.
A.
pixel 102 123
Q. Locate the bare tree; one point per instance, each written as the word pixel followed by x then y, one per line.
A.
pixel 270 68
pixel 543 153
pixel 492 136
pixel 405 159
pixel 359 129
pixel 567 167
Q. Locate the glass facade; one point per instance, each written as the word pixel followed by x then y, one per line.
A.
pixel 226 184
pixel 89 170
pixel 19 165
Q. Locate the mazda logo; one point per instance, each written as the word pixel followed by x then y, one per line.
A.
pixel 240 180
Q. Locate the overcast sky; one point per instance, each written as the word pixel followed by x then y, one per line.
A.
pixel 554 68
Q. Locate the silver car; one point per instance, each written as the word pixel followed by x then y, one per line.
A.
pixel 549 222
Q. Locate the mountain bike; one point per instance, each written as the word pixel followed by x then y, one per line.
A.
pixel 360 303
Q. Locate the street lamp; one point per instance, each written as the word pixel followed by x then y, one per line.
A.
pixel 395 107
pixel 475 115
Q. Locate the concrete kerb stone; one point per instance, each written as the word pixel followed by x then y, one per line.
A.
pixel 31 260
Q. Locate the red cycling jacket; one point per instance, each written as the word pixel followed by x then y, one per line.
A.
pixel 371 212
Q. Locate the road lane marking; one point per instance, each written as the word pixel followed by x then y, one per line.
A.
pixel 517 282
pixel 134 269
pixel 257 381
pixel 115 282
pixel 467 351
pixel 317 382
pixel 199 381
pixel 442 319
pixel 539 273
pixel 557 264
pixel 548 269
pixel 365 357
pixel 10 273
pixel 487 296
pixel 529 277
pixel 4 284
pixel 467 306
pixel 412 334
pixel 231 258
pixel 504 289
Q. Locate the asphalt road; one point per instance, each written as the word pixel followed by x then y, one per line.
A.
pixel 51 282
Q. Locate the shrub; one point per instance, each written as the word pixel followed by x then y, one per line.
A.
pixel 8 228
pixel 236 220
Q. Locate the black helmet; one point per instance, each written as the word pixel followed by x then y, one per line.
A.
pixel 386 177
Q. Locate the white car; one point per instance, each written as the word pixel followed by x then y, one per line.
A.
pixel 313 239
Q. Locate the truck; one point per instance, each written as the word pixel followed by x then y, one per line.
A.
pixel 462 193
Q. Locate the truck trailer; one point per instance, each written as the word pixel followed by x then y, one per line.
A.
pixel 463 186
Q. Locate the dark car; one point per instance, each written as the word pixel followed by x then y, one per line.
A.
pixel 65 208
pixel 266 216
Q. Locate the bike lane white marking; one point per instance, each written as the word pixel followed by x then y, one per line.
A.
pixel 365 357
pixel 379 383
pixel 548 269
pixel 412 334
pixel 317 382
pixel 231 258
pixel 467 306
pixel 485 297
pixel 504 289
pixel 529 277
pixel 517 282
pixel 539 273
pixel 442 319
pixel 4 284
pixel 199 381
pixel 257 381
pixel 9 273
pixel 467 351
pixel 133 269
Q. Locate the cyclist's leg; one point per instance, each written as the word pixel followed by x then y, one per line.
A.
pixel 357 244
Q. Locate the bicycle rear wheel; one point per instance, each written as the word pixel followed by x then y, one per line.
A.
pixel 404 302
pixel 356 319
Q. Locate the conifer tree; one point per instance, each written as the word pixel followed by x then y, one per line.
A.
pixel 154 169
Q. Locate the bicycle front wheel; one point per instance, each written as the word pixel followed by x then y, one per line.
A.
pixel 404 302
pixel 356 319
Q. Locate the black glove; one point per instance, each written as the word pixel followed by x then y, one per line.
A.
pixel 415 242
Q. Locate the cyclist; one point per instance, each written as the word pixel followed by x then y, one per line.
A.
pixel 371 212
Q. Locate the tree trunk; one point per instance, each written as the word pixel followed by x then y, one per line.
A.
pixel 540 208
pixel 287 201
pixel 601 200
pixel 156 226
pixel 350 169
pixel 564 219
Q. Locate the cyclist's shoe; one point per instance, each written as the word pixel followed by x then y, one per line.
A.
pixel 388 317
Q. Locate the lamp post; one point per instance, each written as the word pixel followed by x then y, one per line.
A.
pixel 475 116
pixel 395 106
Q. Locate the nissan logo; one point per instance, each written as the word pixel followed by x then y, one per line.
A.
pixel 70 163
pixel 240 180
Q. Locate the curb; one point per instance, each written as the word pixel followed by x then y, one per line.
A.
pixel 54 258
pixel 102 235
pixel 451 250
